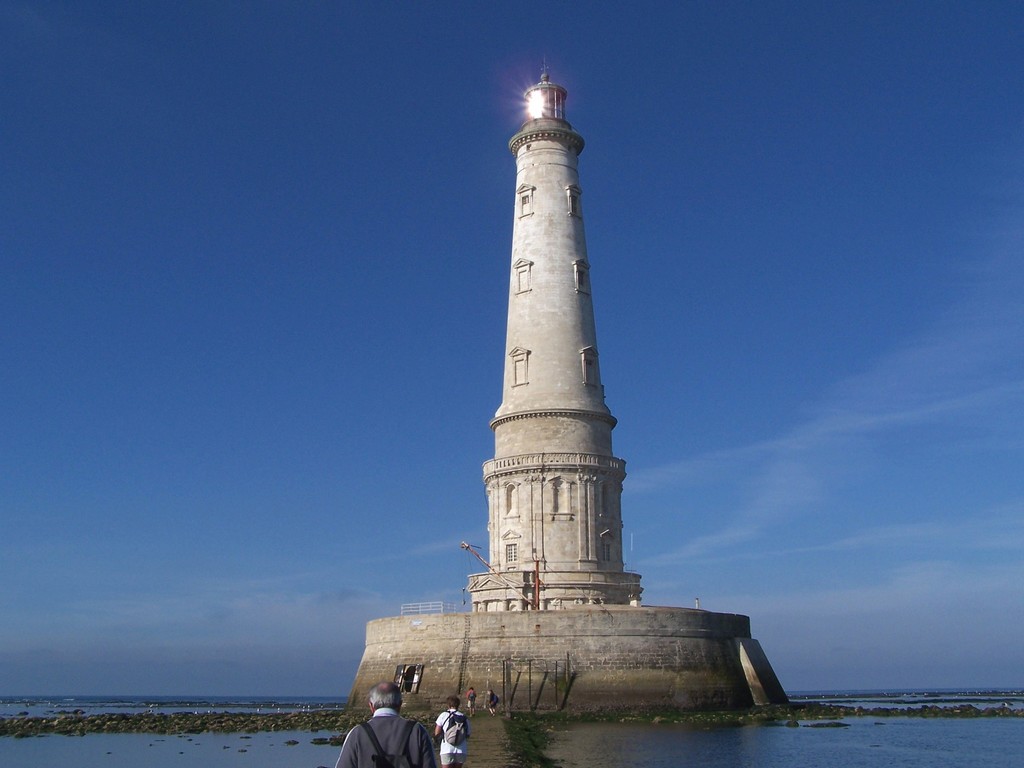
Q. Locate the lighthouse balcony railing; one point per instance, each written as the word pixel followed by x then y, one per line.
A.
pixel 553 460
pixel 413 609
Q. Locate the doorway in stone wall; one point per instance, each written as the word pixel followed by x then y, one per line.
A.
pixel 408 676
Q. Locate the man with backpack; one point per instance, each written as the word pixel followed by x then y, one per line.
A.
pixel 387 738
pixel 453 728
pixel 492 702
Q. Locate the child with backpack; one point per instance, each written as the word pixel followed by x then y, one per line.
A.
pixel 453 728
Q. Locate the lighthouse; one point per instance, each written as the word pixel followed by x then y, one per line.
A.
pixel 556 620
pixel 554 486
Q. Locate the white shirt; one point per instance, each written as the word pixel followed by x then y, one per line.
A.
pixel 450 749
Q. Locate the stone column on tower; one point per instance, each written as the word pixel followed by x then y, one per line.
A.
pixel 554 485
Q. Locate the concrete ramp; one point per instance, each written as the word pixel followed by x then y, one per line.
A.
pixel 764 685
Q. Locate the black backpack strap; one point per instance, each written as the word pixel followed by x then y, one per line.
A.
pixel 373 737
pixel 406 736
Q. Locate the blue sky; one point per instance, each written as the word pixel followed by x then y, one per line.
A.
pixel 253 270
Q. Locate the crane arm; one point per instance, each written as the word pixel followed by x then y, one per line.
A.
pixel 477 555
pixel 491 569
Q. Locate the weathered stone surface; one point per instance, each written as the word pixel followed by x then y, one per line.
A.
pixel 590 658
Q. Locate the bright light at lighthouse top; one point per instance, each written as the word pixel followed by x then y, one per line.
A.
pixel 545 99
pixel 545 118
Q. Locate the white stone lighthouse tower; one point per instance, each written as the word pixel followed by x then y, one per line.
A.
pixel 554 485
pixel 556 621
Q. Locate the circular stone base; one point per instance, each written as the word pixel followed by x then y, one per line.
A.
pixel 591 658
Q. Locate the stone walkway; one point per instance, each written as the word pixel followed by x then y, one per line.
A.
pixel 488 747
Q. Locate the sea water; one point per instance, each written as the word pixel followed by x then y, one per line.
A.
pixel 207 750
pixel 861 742
pixel 904 742
pixel 280 749
pixel 853 742
pixel 47 706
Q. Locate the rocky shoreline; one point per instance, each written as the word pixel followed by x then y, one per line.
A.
pixel 794 713
pixel 336 723
pixel 76 723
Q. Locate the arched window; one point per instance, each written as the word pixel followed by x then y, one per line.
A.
pixel 511 500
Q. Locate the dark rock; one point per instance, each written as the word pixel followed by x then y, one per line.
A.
pixel 828 724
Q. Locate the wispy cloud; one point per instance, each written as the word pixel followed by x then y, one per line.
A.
pixel 987 531
pixel 965 376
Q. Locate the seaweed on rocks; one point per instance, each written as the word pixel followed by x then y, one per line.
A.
pixel 528 732
pixel 74 724
pixel 527 736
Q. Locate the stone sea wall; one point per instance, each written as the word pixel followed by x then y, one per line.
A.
pixel 582 659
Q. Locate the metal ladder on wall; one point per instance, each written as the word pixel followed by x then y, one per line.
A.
pixel 465 654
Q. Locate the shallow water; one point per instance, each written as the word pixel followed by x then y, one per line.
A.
pixel 982 699
pixel 866 743
pixel 123 750
pixel 903 742
pixel 46 706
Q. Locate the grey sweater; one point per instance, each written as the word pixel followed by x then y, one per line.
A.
pixel 358 750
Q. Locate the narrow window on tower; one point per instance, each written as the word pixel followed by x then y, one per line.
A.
pixel 525 193
pixel 520 366
pixel 589 358
pixel 573 194
pixel 581 271
pixel 511 553
pixel 511 507
pixel 522 275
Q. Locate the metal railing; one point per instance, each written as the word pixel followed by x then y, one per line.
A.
pixel 412 609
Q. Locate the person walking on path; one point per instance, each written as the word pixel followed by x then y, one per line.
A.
pixel 386 733
pixel 452 755
pixel 492 701
pixel 471 698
